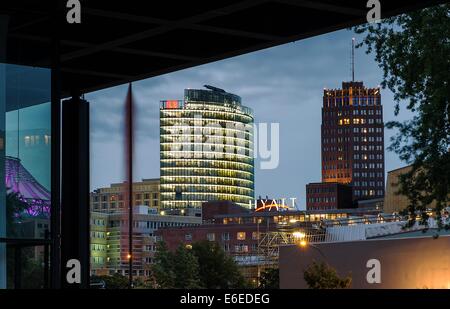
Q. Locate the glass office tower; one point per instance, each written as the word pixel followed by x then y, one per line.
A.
pixel 206 144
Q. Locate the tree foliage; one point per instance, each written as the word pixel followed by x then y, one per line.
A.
pixel 15 208
pixel 163 270
pixel 115 281
pixel 322 276
pixel 205 265
pixel 217 269
pixel 414 52
pixel 270 279
pixel 176 270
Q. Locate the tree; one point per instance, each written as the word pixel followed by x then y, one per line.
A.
pixel 322 276
pixel 270 279
pixel 115 281
pixel 414 52
pixel 217 269
pixel 163 271
pixel 176 270
pixel 205 265
pixel 186 269
pixel 15 208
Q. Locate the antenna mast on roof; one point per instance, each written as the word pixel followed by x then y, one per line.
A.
pixel 353 59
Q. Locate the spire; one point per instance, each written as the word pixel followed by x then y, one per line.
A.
pixel 353 59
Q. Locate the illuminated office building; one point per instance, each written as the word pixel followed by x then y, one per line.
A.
pixel 353 139
pixel 206 145
pixel 112 198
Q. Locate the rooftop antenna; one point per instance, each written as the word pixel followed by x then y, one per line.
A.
pixel 353 59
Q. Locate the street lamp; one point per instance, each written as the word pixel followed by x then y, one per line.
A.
pixel 303 244
pixel 299 235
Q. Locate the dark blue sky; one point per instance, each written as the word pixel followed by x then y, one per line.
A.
pixel 282 84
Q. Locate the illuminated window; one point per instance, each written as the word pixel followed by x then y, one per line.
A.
pixel 240 236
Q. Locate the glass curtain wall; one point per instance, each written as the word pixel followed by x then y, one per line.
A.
pixel 25 180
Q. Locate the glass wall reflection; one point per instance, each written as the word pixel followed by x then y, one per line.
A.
pixel 25 148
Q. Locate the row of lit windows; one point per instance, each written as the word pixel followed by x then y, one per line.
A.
pixel 183 115
pixel 212 155
pixel 114 205
pixel 147 224
pixel 356 157
pixel 359 121
pixel 366 175
pixel 368 157
pixel 348 112
pixel 345 148
pixel 31 140
pixel 331 199
pixel 378 139
pixel 201 138
pixel 207 180
pixel 365 138
pixel 206 172
pixel 337 176
pixel 369 192
pixel 245 164
pixel 196 199
pixel 100 235
pixel 340 131
pixel 193 107
pixel 218 145
pixel 176 130
pixel 352 101
pixel 207 149
pixel 226 236
pixel 336 166
pixel 321 190
pixel 98 247
pixel 199 124
pixel 119 197
pixel 368 184
pixel 189 188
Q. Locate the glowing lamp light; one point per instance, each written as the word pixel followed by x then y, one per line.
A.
pixel 299 235
pixel 128 256
pixel 303 243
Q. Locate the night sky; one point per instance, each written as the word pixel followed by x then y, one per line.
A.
pixel 282 84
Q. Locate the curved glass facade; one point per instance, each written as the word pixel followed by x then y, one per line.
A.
pixel 206 144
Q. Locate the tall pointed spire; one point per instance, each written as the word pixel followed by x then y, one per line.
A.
pixel 353 59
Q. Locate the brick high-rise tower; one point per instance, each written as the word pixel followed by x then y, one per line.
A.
pixel 353 139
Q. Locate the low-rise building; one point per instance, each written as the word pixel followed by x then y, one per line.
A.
pixel 111 199
pixel 110 239
pixel 248 236
pixel 328 195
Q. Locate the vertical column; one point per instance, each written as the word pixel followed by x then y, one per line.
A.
pixel 75 192
pixel 55 217
pixel 3 34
